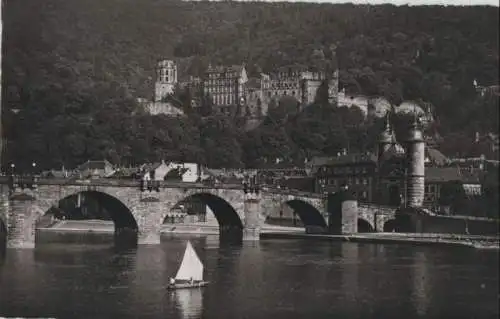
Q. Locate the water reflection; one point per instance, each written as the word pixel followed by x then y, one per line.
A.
pixel 288 278
pixel 422 293
pixel 3 251
pixel 349 278
pixel 189 302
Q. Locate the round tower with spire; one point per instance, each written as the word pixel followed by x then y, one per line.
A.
pixel 416 165
pixel 386 138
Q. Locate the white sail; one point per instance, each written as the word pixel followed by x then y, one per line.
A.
pixel 191 266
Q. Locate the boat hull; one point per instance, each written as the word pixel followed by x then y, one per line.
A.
pixel 187 285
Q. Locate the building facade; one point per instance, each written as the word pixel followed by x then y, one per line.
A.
pixel 356 170
pixel 301 83
pixel 226 87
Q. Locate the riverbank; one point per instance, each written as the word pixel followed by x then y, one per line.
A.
pixel 281 232
pixel 107 227
pixel 478 242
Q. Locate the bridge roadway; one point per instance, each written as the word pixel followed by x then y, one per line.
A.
pixel 131 183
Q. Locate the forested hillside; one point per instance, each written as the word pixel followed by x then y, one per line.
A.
pixel 71 64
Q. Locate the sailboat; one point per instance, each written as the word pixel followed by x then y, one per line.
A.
pixel 190 273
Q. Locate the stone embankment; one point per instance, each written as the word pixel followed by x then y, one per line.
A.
pixel 272 231
pixel 478 242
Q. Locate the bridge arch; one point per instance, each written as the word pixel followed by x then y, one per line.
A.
pixel 226 215
pixel 307 213
pixel 112 209
pixel 365 226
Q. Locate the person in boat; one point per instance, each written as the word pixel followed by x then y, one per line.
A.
pixel 172 281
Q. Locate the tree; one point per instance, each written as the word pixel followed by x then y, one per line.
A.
pixel 206 108
pixel 322 94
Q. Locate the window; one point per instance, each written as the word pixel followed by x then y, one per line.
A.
pixel 427 189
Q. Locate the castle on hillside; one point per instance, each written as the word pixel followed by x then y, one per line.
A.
pixel 232 91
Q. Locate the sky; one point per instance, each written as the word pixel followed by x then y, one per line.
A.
pixel 411 2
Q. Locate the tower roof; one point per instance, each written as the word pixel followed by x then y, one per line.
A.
pixel 387 136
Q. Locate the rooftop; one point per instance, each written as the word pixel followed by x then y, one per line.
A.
pixel 449 174
pixel 224 69
pixel 349 158
pixel 90 165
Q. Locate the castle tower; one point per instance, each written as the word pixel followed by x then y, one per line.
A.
pixel 416 166
pixel 386 138
pixel 166 79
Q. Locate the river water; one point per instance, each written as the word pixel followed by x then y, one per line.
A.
pixel 267 279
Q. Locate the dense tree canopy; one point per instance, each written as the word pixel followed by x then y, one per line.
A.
pixel 72 70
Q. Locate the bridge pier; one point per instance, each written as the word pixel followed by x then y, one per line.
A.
pixel 252 223
pixel 21 219
pixel 349 216
pixel 149 212
pixel 343 213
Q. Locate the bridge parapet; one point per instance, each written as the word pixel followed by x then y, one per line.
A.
pixel 122 183
pixel 292 192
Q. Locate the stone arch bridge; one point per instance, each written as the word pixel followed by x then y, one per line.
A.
pixel 144 210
